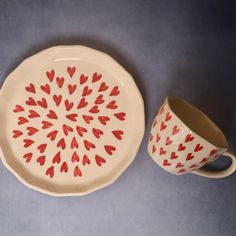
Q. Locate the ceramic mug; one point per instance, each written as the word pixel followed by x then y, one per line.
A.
pixel 183 139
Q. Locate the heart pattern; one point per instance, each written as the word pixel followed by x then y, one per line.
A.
pixel 74 113
pixel 176 149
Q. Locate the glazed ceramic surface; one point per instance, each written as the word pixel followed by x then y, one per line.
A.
pixel 183 139
pixel 72 120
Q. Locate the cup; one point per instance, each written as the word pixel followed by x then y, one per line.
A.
pixel 183 139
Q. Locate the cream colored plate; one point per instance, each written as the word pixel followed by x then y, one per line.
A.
pixel 72 120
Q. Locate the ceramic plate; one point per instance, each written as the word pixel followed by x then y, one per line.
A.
pixel 72 120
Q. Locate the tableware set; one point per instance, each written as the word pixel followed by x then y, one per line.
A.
pixel 72 120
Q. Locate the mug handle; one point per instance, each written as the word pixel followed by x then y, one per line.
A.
pixel 219 174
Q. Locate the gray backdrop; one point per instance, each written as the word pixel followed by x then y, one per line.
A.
pixel 185 48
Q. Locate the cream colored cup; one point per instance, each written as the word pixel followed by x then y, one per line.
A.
pixel 183 139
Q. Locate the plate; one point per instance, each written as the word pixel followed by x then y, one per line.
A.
pixel 72 120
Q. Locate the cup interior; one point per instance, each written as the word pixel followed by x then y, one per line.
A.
pixel 197 121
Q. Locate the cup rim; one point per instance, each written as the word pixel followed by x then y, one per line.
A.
pixel 167 101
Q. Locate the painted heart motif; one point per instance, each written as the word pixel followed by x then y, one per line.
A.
pixel 168 141
pixel 190 156
pixel 71 71
pixel 175 130
pixel 179 165
pixel 166 163
pixel 189 138
pixel 173 155
pixel 69 110
pixel 198 148
pixel 181 147
pixel 168 117
pixel 162 151
pixel 163 126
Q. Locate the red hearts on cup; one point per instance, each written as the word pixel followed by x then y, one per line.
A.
pixel 31 102
pixel 77 171
pixel 68 105
pixel 57 99
pixel 16 133
pixel 22 120
pixel 166 163
pixel 168 141
pixel 94 109
pixel 28 142
pixel 42 147
pixel 74 143
pixel 52 135
pixel 103 119
pixel 103 87
pixel 120 116
pixel 57 158
pixel 112 105
pixel 88 145
pixel 81 130
pixel 46 124
pixel 83 79
pixel 60 81
pixel 198 148
pixel 75 157
pixel 99 99
pixel 97 132
pixel 28 157
pixel 189 138
pixel 173 155
pixel 162 151
pixel 87 91
pixel 175 130
pixel 163 126
pixel 153 149
pixel 50 171
pixel 190 156
pixel 61 143
pixel 179 165
pixel 82 103
pixel 32 131
pixel 33 114
pixel 158 137
pixel 72 117
pixel 52 115
pixel 168 117
pixel 64 167
pixel 181 147
pixel 43 103
pixel 71 88
pixel 18 108
pixel 85 160
pixel 41 160
pixel 87 119
pixel 67 129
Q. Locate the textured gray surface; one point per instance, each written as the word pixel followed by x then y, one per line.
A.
pixel 184 48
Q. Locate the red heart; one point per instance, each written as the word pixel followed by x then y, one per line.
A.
pixel 173 155
pixel 85 160
pixel 112 105
pixel 157 138
pixel 60 81
pixel 28 157
pixel 57 99
pixel 67 129
pixel 31 102
pixel 83 79
pixel 86 91
pixel 150 138
pixel 50 171
pixel 72 117
pixel 41 160
pixel 94 109
pixel 115 91
pixel 75 157
pixel 88 145
pixel 33 114
pixel 103 119
pixel 193 166
pixel 68 105
pixel 18 108
pixel 64 167
pixel 16 133
pixel 61 143
pixel 46 124
pixel 168 116
pixel 99 99
pixel 163 126
pixel 71 71
pixel 52 135
pixel 99 160
pixel 74 143
pixel 204 160
pixel 81 130
pixel 178 165
pixel 166 163
pixel 50 75
pixel 22 120
pixel 43 103
pixel 109 149
pixel 153 149
pixel 189 138
pixel 77 171
pixel 30 88
pixel 87 119
pixel 190 156
pixel 71 88
pixel 57 158
pixel 103 87
pixel 118 134
pixel 52 115
pixel 96 77
pixel 32 130
pixel 45 88
pixel 168 141
pixel 82 103
pixel 182 171
pixel 213 152
pixel 97 133
pixel 162 151
pixel 42 147
pixel 181 147
pixel 120 116
pixel 28 142
pixel 198 148
pixel 175 130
